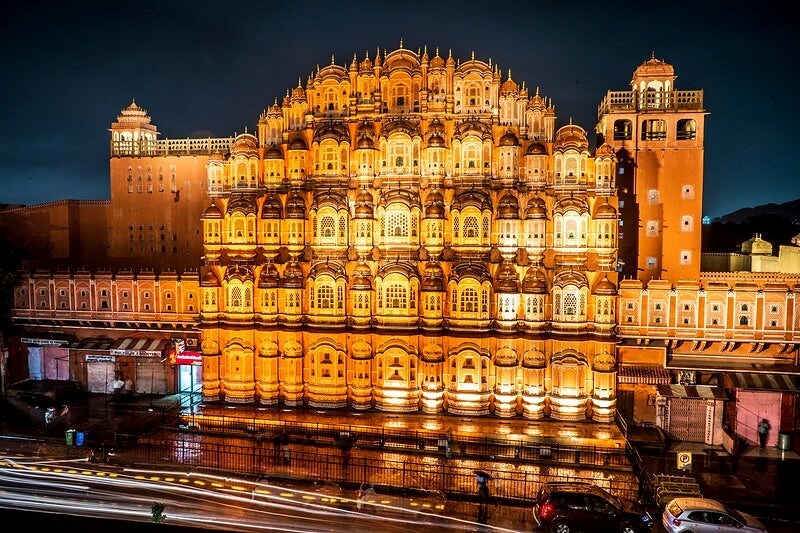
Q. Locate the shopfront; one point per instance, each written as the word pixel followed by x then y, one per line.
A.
pixel 149 363
pixel 48 356
pixel 758 396
pixel 93 364
pixel 187 358
pixel 691 413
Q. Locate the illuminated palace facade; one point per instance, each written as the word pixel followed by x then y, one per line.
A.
pixel 414 233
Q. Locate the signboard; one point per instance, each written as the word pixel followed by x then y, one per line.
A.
pixel 95 358
pixel 685 460
pixel 185 352
pixel 138 348
pixel 43 342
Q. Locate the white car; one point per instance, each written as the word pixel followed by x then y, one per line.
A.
pixel 701 515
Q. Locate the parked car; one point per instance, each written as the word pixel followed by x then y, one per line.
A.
pixel 574 507
pixel 699 515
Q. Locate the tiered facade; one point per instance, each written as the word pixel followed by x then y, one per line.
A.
pixel 412 234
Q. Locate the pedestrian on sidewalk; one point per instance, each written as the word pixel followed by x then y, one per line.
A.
pixel 285 446
pixel 763 431
pixel 483 496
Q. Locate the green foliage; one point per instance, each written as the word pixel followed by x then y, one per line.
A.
pixel 157 511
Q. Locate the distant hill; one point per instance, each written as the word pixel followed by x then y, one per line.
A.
pixel 775 223
pixel 790 210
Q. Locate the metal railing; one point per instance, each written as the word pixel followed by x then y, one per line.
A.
pixel 396 470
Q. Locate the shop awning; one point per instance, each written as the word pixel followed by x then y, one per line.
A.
pixel 97 345
pixel 139 347
pixel 693 391
pixel 645 374
pixel 773 382
pixel 754 364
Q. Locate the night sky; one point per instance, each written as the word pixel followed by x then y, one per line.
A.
pixel 209 68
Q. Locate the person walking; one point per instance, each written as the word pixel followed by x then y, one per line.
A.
pixel 763 431
pixel 483 496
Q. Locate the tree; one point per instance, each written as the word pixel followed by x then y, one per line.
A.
pixel 157 511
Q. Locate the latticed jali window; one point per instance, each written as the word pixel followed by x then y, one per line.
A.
pixel 469 300
pixel 398 224
pixel 396 296
pixel 470 227
pixel 325 297
pixel 327 226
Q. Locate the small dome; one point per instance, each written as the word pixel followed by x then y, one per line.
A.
pixel 537 209
pixel 509 86
pixel 298 144
pixel 536 148
pixel 534 283
pixel 509 206
pixel 133 114
pixel 273 152
pixel 571 135
pixel 210 279
pixel 437 61
pixel 298 92
pixel 435 205
pixel 436 141
pixel 605 211
pixel 536 101
pixel 212 211
pixel 364 205
pixel 654 68
pixel 605 287
pixel 295 206
pixel 272 207
pixel 216 156
pixel 269 277
pixel 604 150
pixel 362 277
pixel 245 144
pixel 756 246
pixel 534 358
pixel 506 280
pixel 508 139
pixel 435 127
pixel 365 128
pixel 242 204
pixel 433 277
pixel 365 143
pixel 293 276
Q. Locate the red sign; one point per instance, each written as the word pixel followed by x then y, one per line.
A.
pixel 180 355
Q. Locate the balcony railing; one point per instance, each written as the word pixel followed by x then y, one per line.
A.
pixel 160 147
pixel 651 100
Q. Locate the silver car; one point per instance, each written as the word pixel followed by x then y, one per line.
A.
pixel 701 515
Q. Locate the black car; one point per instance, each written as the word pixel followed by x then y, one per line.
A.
pixel 574 507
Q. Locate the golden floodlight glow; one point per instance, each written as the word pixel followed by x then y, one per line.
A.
pixel 183 480
pixel 199 482
pixel 287 494
pixel 238 487
pixel 169 479
pixel 217 484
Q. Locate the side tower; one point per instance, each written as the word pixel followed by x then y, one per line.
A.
pixel 157 193
pixel 657 134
